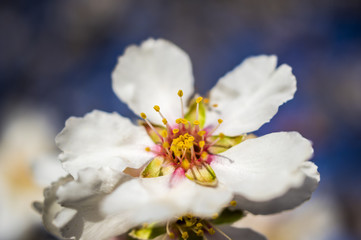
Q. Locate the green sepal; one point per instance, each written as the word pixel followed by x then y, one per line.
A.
pixel 203 175
pixel 149 232
pixel 228 216
pixel 157 167
pixel 225 143
pixel 155 138
pixel 191 114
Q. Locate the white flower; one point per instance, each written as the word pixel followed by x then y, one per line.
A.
pixel 27 164
pixel 196 168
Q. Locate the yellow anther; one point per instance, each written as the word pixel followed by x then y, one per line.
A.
pixel 175 130
pixel 220 121
pixel 185 164
pixel 221 135
pixel 206 100
pixel 156 108
pixel 201 133
pixel 201 144
pixel 171 235
pixel 215 105
pixel 199 99
pixel 180 93
pixel 166 145
pixel 164 133
pixel 191 138
pixel 233 203
pixel 211 231
pixel 215 216
pixel 178 121
pixel 147 149
pixel 199 225
pixel 199 232
pixel 204 155
pixel 185 235
pixel 143 115
pixel 164 121
pixel 184 121
pixel 196 122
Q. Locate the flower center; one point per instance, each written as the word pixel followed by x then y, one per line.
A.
pixel 184 144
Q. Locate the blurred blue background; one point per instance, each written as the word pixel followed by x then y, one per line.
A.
pixel 58 55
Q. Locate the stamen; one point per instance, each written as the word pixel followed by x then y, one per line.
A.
pixel 233 203
pixel 214 129
pixel 150 125
pixel 206 100
pixel 221 136
pixel 215 105
pixel 198 100
pixel 164 120
pixel 221 232
pixel 147 149
pixel 175 130
pixel 180 94
pixel 215 216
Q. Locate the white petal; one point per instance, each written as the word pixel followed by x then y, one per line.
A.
pixel 152 199
pixel 90 182
pixel 291 199
pixel 78 215
pixel 250 95
pixel 152 74
pixel 264 168
pixel 102 140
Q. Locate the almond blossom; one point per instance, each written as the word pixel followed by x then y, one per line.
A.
pixel 190 156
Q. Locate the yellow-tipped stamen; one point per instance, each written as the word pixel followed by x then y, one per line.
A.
pixel 204 155
pixel 151 126
pixel 169 233
pixel 233 203
pixel 185 164
pixel 214 129
pixel 164 120
pixel 221 232
pixel 201 145
pixel 199 225
pixel 180 94
pixel 215 216
pixel 175 130
pixel 196 122
pixel 147 149
pixel 185 235
pixel 198 100
pixel 220 136
pixel 206 100
pixel 215 105
pixel 156 108
pixel 201 133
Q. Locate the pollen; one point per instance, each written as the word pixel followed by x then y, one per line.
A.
pixel 201 144
pixel 164 121
pixel 147 149
pixel 201 133
pixel 175 130
pixel 156 108
pixel 233 203
pixel 178 121
pixel 199 99
pixel 180 93
pixel 164 133
pixel 220 121
pixel 185 235
pixel 185 164
pixel 184 121
pixel 143 115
